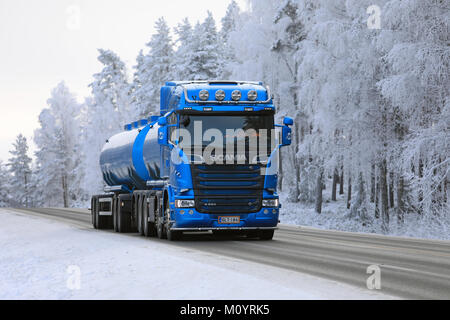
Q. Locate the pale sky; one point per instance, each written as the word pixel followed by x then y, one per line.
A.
pixel 44 42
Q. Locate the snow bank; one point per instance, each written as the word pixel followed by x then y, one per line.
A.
pixel 37 254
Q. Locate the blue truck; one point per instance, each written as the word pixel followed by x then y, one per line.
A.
pixel 162 178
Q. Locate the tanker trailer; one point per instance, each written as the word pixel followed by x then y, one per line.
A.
pixel 161 183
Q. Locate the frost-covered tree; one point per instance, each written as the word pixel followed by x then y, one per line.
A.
pixel 415 39
pixel 153 70
pixel 110 88
pixel 183 68
pixel 286 46
pixel 207 60
pixel 231 23
pixel 20 169
pixel 104 115
pixel 5 180
pixel 59 151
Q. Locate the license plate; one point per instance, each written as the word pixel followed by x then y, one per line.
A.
pixel 229 220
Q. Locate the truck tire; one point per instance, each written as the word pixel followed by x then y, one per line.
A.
pixel 160 225
pixel 94 221
pixel 252 234
pixel 266 235
pixel 148 227
pixel 139 215
pixel 123 218
pixel 171 234
pixel 160 230
pixel 115 218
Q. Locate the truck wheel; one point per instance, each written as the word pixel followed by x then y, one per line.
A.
pixel 124 220
pixel 116 208
pixel 139 214
pixel 160 227
pixel 149 228
pixel 171 235
pixel 160 232
pixel 266 234
pixel 99 222
pixel 252 234
pixel 93 213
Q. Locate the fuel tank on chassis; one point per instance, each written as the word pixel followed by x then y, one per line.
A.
pixel 132 158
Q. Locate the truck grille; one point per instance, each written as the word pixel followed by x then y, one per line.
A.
pixel 228 188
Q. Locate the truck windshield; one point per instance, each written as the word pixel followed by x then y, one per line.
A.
pixel 224 123
pixel 251 131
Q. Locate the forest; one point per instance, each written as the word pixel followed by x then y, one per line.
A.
pixel 367 82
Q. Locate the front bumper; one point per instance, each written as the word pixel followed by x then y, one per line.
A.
pixel 223 229
pixel 265 219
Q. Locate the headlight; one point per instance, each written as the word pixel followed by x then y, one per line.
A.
pixel 252 95
pixel 204 95
pixel 220 95
pixel 236 95
pixel 273 203
pixel 184 203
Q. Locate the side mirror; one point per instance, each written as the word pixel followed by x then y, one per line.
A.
pixel 162 122
pixel 288 121
pixel 286 136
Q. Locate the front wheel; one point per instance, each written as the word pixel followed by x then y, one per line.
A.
pixel 160 230
pixel 149 228
pixel 266 234
pixel 173 235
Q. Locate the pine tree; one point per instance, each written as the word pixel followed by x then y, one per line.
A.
pixel 183 56
pixel 58 153
pixel 153 70
pixel 20 168
pixel 231 23
pixel 104 115
pixel 206 57
pixel 5 180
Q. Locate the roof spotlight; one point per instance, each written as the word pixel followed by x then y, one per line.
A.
pixel 252 95
pixel 204 95
pixel 220 95
pixel 236 95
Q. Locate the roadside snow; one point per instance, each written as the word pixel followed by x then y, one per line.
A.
pixel 36 256
pixel 334 216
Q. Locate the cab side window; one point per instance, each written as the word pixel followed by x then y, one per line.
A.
pixel 173 120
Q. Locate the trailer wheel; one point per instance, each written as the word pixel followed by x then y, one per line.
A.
pixel 115 214
pixel 93 213
pixel 139 214
pixel 124 218
pixel 266 234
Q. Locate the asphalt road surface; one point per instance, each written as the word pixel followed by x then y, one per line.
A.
pixel 409 268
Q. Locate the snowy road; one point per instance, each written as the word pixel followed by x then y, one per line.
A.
pixel 293 265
